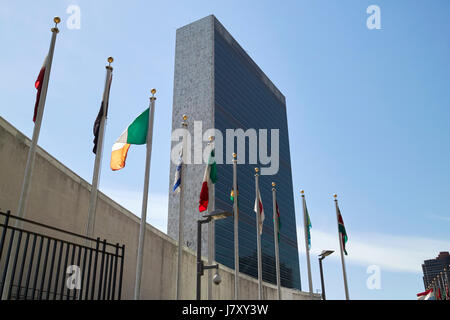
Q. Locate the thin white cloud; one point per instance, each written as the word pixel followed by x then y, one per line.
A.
pixel 393 253
pixel 132 200
pixel 442 218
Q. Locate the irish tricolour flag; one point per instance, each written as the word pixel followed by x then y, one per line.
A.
pixel 209 178
pixel 136 133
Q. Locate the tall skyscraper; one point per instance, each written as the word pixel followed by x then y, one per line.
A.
pixel 219 86
pixel 432 267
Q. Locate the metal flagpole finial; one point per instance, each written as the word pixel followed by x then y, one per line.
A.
pixel 302 192
pixel 273 186
pixel 153 91
pixel 210 139
pixel 335 196
pixel 56 20
pixel 184 123
pixel 256 171
pixel 234 155
pixel 110 60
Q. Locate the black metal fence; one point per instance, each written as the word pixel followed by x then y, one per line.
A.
pixel 38 266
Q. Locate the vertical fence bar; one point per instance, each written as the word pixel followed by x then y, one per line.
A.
pixel 44 268
pixel 121 272
pixel 8 254
pixel 97 247
pixel 105 282
pixel 102 264
pixel 30 266
pixel 79 268
pixel 11 284
pixel 22 267
pixel 80 294
pixel 74 248
pixel 52 265
pixel 5 229
pixel 61 249
pixel 115 272
pixel 86 294
pixel 36 273
pixel 63 282
pixel 111 265
pixel 74 290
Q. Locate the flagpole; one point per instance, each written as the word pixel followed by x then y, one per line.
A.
pixel 98 154
pixel 32 151
pixel 306 226
pixel 341 246
pixel 137 286
pixel 236 229
pixel 211 234
pixel 258 236
pixel 275 234
pixel 447 284
pixel 37 127
pixel 181 213
pixel 438 286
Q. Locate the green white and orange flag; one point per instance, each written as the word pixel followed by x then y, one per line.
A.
pixel 136 133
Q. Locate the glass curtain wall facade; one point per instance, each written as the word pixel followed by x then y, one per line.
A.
pixel 243 99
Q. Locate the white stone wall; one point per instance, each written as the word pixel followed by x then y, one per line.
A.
pixel 193 96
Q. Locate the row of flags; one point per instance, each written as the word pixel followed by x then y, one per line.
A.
pixel 210 178
pixel 438 289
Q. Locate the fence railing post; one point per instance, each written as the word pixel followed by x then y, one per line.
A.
pixel 97 245
pixel 5 229
pixel 8 255
pixel 121 272
pixel 13 274
pixel 2 242
pixel 101 271
pixel 116 256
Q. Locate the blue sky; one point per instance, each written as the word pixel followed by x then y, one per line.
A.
pixel 368 112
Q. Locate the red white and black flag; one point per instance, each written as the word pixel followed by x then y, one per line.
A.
pixel 38 86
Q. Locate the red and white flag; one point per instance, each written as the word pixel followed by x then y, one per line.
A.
pixel 209 178
pixel 38 86
pixel 426 295
pixel 261 212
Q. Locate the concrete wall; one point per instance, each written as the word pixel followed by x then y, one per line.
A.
pixel 59 197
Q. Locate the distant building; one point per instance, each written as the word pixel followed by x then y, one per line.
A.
pixel 431 268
